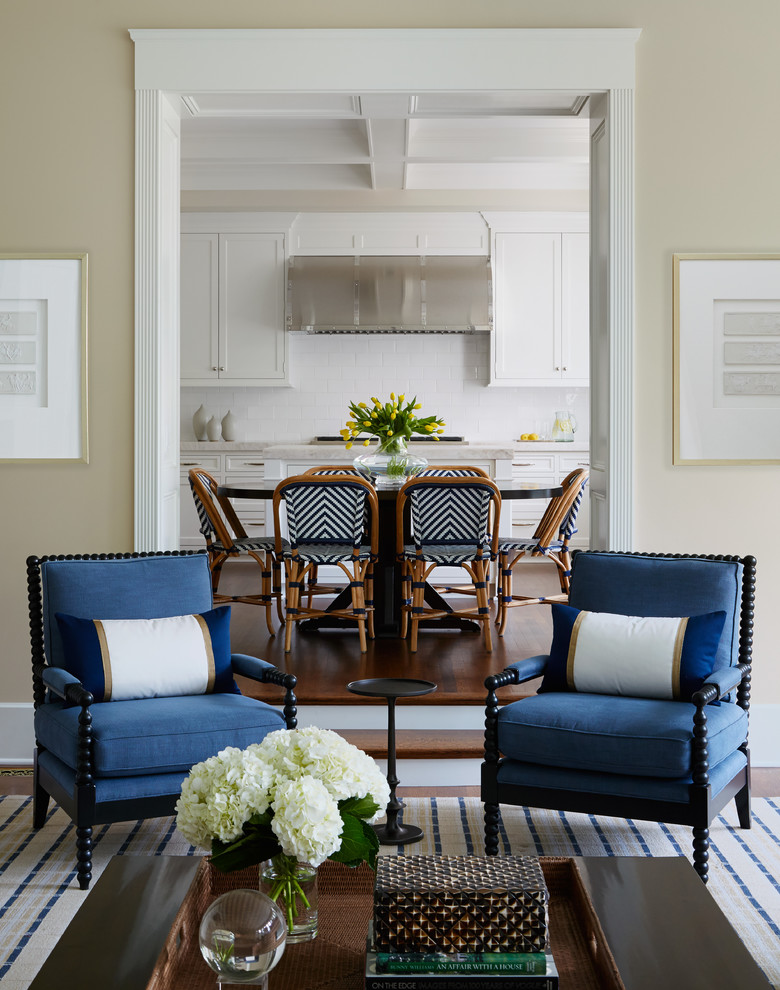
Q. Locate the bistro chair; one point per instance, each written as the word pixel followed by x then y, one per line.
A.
pixel 133 685
pixel 453 522
pixel 313 585
pixel 454 471
pixel 226 538
pixel 643 707
pixel 550 540
pixel 331 519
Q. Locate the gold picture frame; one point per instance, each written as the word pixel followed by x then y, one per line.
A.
pixel 43 358
pixel 726 359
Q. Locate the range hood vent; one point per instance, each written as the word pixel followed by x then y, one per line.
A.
pixel 373 294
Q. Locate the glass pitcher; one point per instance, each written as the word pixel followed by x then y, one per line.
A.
pixel 564 426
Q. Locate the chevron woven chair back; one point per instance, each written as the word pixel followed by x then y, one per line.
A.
pixel 450 514
pixel 216 517
pixel 452 471
pixel 558 523
pixel 569 524
pixel 324 510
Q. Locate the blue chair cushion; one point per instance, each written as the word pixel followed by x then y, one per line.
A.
pixel 156 735
pixel 126 659
pixel 121 588
pixel 666 586
pixel 646 657
pixel 615 735
pixel 583 782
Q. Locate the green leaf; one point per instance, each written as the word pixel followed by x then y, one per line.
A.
pixel 254 847
pixel 362 807
pixel 358 842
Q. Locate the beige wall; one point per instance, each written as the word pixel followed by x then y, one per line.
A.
pixel 707 153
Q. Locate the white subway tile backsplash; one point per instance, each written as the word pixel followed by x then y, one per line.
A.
pixel 331 370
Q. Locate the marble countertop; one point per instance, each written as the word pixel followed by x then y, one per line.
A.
pixel 458 451
pixel 497 450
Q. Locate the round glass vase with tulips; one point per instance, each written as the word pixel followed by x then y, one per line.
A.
pixel 390 462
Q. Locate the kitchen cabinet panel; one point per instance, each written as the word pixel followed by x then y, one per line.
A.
pixel 541 334
pixel 232 306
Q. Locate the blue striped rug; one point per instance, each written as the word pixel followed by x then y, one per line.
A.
pixel 38 895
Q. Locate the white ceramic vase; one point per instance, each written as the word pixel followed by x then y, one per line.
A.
pixel 199 423
pixel 213 429
pixel 229 426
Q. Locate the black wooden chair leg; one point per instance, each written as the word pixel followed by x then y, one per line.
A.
pixel 492 818
pixel 701 853
pixel 40 798
pixel 742 801
pixel 84 855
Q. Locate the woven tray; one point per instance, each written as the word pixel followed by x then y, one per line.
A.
pixel 336 959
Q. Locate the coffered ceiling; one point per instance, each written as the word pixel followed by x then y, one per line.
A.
pixel 382 142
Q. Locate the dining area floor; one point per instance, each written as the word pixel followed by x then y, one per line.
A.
pixel 325 661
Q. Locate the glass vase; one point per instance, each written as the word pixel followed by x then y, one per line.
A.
pixel 293 886
pixel 390 463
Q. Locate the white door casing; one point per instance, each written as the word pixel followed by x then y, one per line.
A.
pixel 171 62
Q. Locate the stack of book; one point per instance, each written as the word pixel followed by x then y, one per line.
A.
pixel 456 970
pixel 459 921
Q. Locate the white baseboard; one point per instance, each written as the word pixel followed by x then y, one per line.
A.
pixel 17 739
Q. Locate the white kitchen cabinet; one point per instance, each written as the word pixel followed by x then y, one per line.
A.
pixel 548 467
pixel 541 334
pixel 232 309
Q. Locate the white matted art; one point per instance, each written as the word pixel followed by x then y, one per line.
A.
pixel 43 357
pixel 726 358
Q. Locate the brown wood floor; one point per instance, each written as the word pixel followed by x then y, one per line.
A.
pixel 325 662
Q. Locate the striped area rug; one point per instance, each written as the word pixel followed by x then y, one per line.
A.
pixel 38 895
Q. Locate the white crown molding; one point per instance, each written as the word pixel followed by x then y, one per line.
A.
pixel 223 60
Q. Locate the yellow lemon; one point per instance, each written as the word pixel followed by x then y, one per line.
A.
pixel 525 436
pixel 533 436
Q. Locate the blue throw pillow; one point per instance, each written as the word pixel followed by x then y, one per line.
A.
pixel 126 659
pixel 666 658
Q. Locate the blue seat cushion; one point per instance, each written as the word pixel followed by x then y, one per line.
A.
pixel 581 782
pixel 618 735
pixel 156 735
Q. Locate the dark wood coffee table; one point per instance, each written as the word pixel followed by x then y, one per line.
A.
pixel 658 918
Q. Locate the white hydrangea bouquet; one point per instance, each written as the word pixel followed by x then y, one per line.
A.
pixel 299 796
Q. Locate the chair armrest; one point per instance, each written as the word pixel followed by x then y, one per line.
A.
pixel 252 667
pixel 266 673
pixel 718 684
pixel 529 668
pixel 66 686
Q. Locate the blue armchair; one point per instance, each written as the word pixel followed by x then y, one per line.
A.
pixel 124 709
pixel 643 708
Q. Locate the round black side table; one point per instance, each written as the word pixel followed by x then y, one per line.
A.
pixel 393 833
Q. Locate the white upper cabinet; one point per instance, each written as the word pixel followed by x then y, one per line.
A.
pixel 232 309
pixel 541 332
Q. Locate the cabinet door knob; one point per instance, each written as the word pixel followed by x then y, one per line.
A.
pixel 214 368
pixel 222 367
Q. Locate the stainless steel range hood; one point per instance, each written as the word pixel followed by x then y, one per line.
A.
pixel 372 294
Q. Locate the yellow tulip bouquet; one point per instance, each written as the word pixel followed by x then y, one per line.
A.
pixel 388 421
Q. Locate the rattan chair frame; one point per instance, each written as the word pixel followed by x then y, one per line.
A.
pixel 227 529
pixel 546 534
pixel 417 570
pixel 359 572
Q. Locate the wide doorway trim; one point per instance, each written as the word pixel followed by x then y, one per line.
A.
pixel 171 62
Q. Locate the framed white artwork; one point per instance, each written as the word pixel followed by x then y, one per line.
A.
pixel 43 357
pixel 726 358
